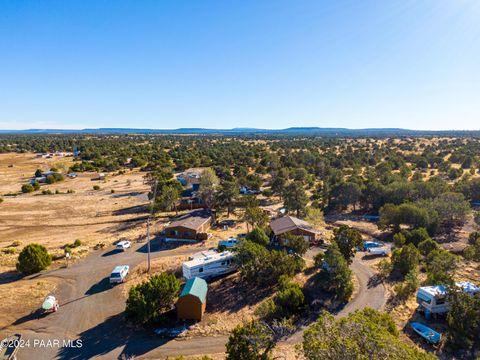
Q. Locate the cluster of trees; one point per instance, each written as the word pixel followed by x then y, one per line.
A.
pixel 438 214
pixel 288 301
pixel 335 275
pixel 365 334
pixel 333 173
pixel 472 251
pixel 260 266
pixel 464 321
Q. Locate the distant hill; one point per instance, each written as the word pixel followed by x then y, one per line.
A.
pixel 312 131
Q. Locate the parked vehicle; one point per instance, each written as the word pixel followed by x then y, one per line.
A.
pixel 383 251
pixel 425 332
pixel 119 274
pixel 210 266
pixel 371 244
pixel 229 243
pixel 123 245
pixel 50 304
pixel 433 299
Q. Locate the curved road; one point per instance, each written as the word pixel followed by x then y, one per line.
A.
pixel 93 312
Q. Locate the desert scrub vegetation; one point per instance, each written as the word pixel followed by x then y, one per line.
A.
pixel 33 258
pixel 148 300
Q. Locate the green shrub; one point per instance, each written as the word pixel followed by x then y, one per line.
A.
pixel 9 250
pixel 409 286
pixel 258 236
pixel 36 185
pixel 318 259
pixel 149 300
pixel 290 299
pixel 77 243
pixel 33 258
pixel 405 259
pixel 399 239
pixel 384 268
pixel 70 191
pixel 474 237
pixel 26 188
pixel 1 200
pixel 96 187
pixel 427 246
pixel 112 191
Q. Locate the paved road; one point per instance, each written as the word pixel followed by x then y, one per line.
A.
pixel 92 312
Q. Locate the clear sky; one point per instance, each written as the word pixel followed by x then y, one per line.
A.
pixel 247 63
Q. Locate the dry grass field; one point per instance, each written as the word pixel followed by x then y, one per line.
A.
pixel 92 216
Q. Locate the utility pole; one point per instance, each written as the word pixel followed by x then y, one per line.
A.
pixel 148 223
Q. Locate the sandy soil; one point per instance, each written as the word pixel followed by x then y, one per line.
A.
pixel 93 216
pixel 56 220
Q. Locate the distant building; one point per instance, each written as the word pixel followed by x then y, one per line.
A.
pixel 188 226
pixel 291 225
pixel 193 300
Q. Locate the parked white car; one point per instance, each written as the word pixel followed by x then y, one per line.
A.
pixel 123 245
pixel 384 250
pixel 119 274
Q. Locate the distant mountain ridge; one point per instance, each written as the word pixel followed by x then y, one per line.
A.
pixel 245 131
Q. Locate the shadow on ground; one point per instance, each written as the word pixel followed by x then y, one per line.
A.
pixel 34 315
pixel 136 209
pixel 99 287
pixel 228 294
pixel 9 277
pixel 109 336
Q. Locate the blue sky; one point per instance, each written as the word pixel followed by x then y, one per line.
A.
pixel 223 64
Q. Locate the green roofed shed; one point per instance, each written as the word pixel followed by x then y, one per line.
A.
pixel 193 300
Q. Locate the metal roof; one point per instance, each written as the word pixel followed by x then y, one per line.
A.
pixel 289 223
pixel 193 220
pixel 196 287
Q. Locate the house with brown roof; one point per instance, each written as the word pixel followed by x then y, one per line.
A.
pixel 189 226
pixel 293 226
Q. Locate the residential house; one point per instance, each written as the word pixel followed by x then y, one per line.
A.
pixel 189 226
pixel 291 225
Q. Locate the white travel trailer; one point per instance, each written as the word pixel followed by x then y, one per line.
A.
pixel 433 299
pixel 210 266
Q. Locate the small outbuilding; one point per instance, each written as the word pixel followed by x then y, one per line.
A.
pixel 193 300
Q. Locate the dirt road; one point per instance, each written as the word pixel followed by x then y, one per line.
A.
pixel 92 312
pixel 85 299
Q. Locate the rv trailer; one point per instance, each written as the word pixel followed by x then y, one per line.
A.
pixel 210 266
